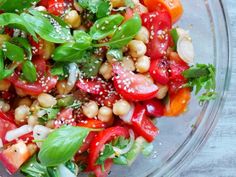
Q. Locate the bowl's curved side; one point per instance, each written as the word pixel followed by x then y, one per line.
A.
pixel 209 116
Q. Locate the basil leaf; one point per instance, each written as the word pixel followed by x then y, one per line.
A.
pixel 104 9
pixel 67 52
pixel 126 32
pixel 33 168
pixel 65 101
pixel 47 27
pixel 61 145
pixel 16 21
pixel 105 26
pixel 175 37
pixel 121 160
pixel 90 65
pixel 115 53
pixel 29 71
pixel 6 73
pixel 83 3
pixel 71 166
pixel 1 60
pixel 83 40
pixel 53 172
pixel 22 42
pixel 13 52
pixel 16 5
pixel 129 3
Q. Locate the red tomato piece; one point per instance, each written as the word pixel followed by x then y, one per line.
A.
pixel 9 116
pixel 65 117
pixel 142 125
pixel 177 66
pixel 56 7
pixel 158 24
pixel 98 144
pixel 37 47
pixel 133 87
pixel 5 126
pixel 14 156
pixel 43 3
pixel 87 142
pixel 154 108
pixel 159 70
pixel 94 86
pixel 108 98
pixel 91 123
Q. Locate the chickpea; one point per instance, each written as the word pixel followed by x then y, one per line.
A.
pixel 143 64
pixel 128 63
pixel 106 70
pixel 25 101
pixel 35 106
pixel 50 124
pixel 143 35
pixel 73 19
pixel 90 109
pixel 63 88
pixel 105 114
pixel 162 91
pixel 121 107
pixel 5 107
pixel 32 148
pixel 33 120
pixel 21 113
pixel 20 92
pixel 4 38
pixel 137 48
pixel 4 85
pixel 117 3
pixel 48 49
pixel 46 100
pixel 110 58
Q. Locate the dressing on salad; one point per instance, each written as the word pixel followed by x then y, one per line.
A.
pixel 82 82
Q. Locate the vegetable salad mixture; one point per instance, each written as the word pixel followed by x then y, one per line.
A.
pixel 82 82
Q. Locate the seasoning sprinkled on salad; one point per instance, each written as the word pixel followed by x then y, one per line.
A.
pixel 82 81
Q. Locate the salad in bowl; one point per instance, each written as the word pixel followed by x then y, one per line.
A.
pixel 82 82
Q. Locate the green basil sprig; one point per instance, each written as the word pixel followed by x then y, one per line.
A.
pixel 16 5
pixel 124 34
pixel 92 5
pixel 61 145
pixel 29 71
pixel 42 25
pixel 105 26
pixel 67 52
pixel 17 21
pixel 82 40
pixel 4 73
pixel 104 9
pixel 13 52
pixel 24 43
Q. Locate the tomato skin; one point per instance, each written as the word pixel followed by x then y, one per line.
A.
pixel 159 70
pixel 158 23
pixel 37 47
pixel 98 143
pixel 87 142
pixel 14 156
pixel 178 102
pixel 93 86
pixel 142 125
pixel 154 108
pixel 177 66
pixel 5 125
pixel 43 3
pixel 91 123
pixel 56 7
pixel 133 87
pixel 107 166
pixel 65 117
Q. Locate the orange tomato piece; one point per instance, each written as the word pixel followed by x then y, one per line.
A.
pixel 178 102
pixel 174 7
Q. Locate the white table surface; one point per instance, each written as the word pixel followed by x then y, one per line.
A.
pixel 218 156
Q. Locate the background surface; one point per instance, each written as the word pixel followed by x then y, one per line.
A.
pixel 218 156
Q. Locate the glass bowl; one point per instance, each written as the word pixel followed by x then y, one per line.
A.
pixel 180 138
